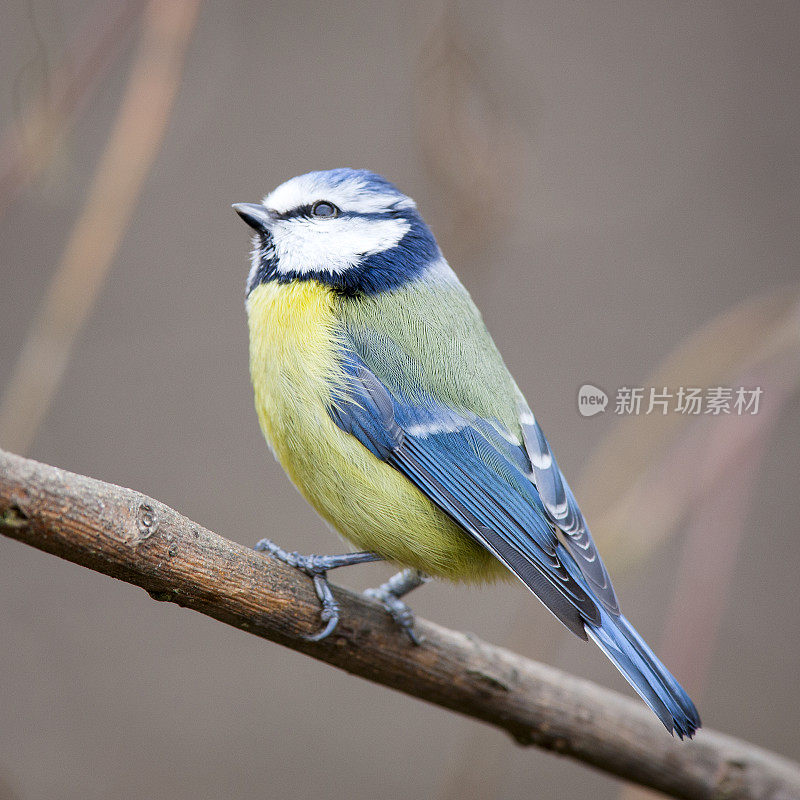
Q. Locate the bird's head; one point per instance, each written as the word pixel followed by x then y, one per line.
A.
pixel 350 229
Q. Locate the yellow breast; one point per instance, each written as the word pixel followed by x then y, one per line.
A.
pixel 293 357
pixel 295 369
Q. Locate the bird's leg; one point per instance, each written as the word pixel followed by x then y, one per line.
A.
pixel 316 567
pixel 388 595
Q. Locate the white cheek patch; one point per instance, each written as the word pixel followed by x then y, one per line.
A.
pixel 332 245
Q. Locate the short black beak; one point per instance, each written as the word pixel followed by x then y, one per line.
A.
pixel 256 216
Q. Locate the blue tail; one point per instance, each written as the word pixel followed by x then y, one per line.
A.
pixel 617 638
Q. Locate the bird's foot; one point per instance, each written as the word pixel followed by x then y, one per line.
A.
pixel 388 595
pixel 316 567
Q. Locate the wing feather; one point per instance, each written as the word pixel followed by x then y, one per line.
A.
pixel 447 460
pixel 563 511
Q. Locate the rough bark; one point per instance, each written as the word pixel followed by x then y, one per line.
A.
pixel 134 538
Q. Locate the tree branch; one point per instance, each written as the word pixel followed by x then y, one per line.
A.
pixel 122 533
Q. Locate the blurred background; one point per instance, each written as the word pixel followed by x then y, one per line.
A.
pixel 615 183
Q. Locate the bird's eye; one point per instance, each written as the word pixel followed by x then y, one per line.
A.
pixel 323 208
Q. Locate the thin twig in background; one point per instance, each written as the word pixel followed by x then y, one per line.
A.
pixel 641 464
pixel 125 163
pixel 701 470
pixel 124 534
pixel 729 475
pixel 469 137
pixel 30 142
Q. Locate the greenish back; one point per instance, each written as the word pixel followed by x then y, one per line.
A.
pixel 430 339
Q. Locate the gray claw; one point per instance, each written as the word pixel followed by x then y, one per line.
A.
pixel 326 631
pixel 316 567
pixel 389 594
pixel 330 608
pixel 397 609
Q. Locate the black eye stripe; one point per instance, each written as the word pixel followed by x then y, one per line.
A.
pixel 306 212
pixel 310 210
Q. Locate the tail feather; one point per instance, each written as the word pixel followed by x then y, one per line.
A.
pixel 618 639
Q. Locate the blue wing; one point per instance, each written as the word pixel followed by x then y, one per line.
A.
pixel 563 511
pixel 473 474
pixel 471 469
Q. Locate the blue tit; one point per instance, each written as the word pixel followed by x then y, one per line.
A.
pixel 383 396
